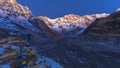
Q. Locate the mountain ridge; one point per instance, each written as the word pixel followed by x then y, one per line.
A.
pixel 106 26
pixel 16 18
pixel 22 19
pixel 71 23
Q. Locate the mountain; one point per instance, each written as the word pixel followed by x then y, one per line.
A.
pixel 106 26
pixel 71 24
pixel 118 10
pixel 15 19
pixel 13 9
pixel 88 50
pixel 18 18
pixel 11 1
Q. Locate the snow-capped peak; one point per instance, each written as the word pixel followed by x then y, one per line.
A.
pixel 118 10
pixel 94 16
pixel 17 18
pixel 10 8
pixel 21 15
pixel 71 22
pixel 10 1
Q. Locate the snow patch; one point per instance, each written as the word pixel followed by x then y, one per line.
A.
pixel 5 66
pixel 2 50
pixel 48 61
pixel 118 10
pixel 14 47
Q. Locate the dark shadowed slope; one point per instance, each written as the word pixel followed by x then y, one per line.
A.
pixel 106 26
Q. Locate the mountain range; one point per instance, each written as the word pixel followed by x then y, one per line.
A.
pixel 71 24
pixel 18 18
pixel 74 41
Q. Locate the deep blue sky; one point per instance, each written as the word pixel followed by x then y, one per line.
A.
pixel 58 8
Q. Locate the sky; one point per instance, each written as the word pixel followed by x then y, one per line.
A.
pixel 59 8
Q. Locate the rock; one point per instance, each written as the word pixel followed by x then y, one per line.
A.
pixel 7 46
pixel 30 63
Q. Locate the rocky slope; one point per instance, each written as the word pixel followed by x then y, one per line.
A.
pixel 9 47
pixel 86 52
pixel 106 26
pixel 71 24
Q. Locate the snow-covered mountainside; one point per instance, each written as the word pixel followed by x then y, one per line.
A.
pixel 71 24
pixel 15 18
pixel 12 9
pixel 118 10
pixel 11 13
